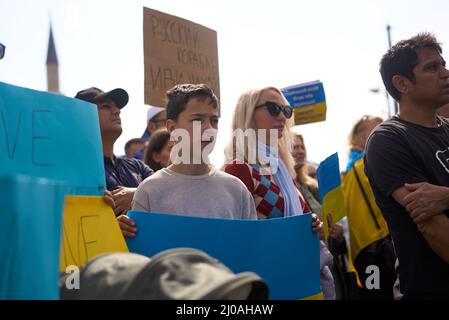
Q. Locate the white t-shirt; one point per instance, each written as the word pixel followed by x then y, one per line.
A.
pixel 213 195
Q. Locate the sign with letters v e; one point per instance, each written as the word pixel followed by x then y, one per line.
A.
pixel 51 136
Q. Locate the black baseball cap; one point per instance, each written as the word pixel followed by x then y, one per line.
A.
pixel 94 95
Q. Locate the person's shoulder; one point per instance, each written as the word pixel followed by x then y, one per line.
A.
pixel 235 163
pixel 223 175
pixel 137 164
pixel 388 131
pixel 229 179
pixel 242 171
pixel 133 162
pixel 392 125
pixel 235 167
pixel 153 180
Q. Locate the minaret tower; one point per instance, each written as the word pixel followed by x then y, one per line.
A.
pixel 52 66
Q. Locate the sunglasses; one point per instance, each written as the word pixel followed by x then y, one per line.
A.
pixel 274 109
pixel 2 51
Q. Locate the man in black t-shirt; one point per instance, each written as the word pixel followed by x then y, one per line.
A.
pixel 407 164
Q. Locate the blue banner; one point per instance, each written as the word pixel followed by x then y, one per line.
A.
pixel 283 251
pixel 305 94
pixel 51 136
pixel 30 235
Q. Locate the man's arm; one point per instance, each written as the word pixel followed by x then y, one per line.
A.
pixel 424 200
pixel 435 229
pixel 436 232
pixel 145 170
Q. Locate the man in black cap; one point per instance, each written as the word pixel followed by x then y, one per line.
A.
pixel 123 175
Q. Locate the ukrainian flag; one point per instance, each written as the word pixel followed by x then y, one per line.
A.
pixel 288 259
pixel 365 227
pixel 331 192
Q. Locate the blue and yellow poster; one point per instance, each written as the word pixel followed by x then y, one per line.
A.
pixel 308 101
pixel 50 146
pixel 283 251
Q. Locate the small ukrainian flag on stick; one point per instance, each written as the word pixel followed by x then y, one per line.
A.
pixel 331 192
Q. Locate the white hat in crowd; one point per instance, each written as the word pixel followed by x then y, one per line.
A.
pixel 153 111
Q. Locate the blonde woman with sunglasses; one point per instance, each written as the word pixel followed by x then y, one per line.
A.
pixel 264 117
pixel 260 156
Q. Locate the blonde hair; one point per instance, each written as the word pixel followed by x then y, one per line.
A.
pixel 303 171
pixel 358 126
pixel 244 119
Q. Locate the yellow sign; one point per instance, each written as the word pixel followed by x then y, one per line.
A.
pixel 177 51
pixel 90 228
pixel 310 114
pixel 333 202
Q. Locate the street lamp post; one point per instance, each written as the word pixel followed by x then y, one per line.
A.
pixel 389 36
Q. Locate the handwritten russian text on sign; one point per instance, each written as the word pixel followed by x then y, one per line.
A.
pixel 177 51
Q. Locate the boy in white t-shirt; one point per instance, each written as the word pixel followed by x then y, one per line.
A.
pixel 190 186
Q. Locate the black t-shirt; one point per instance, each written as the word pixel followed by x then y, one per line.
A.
pixel 126 172
pixel 401 152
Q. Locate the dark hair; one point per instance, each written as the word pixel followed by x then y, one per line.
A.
pixel 179 95
pixel 157 142
pixel 131 142
pixel 402 58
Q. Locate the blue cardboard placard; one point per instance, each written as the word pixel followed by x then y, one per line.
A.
pixel 51 136
pixel 30 234
pixel 283 251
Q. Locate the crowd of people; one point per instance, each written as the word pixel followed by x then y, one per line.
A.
pixel 396 182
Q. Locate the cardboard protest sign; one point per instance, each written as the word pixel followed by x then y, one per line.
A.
pixel 30 233
pixel 51 136
pixel 308 101
pixel 50 146
pixel 90 228
pixel 290 265
pixel 177 51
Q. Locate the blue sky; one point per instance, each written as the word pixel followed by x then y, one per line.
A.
pixel 260 43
